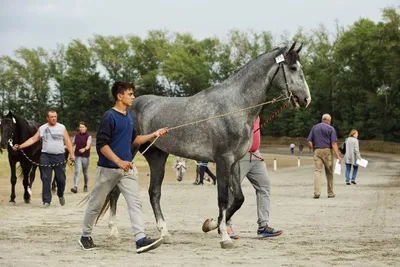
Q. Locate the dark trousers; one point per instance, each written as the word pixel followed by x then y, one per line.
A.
pixel 46 175
pixel 207 170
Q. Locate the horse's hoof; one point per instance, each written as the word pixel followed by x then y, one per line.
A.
pixel 27 201
pixel 167 239
pixel 228 244
pixel 209 225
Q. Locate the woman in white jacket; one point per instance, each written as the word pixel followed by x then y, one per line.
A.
pixel 351 156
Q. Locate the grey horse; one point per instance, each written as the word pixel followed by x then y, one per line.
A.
pixel 223 140
pixel 180 168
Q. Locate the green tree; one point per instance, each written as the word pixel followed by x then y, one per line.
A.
pixel 82 93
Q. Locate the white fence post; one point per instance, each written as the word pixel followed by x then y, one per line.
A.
pixel 298 162
pixel 275 165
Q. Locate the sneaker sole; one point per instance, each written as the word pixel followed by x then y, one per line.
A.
pixel 270 235
pixel 152 246
pixel 235 237
pixel 86 249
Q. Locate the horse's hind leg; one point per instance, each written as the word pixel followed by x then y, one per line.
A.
pixel 112 222
pixel 32 175
pixel 54 185
pixel 157 159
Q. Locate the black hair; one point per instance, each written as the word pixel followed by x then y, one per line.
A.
pixel 119 87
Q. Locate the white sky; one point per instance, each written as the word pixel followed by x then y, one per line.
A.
pixel 33 23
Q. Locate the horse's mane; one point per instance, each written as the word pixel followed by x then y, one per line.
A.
pixel 25 129
pixel 254 59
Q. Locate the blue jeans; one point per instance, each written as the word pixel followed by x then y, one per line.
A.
pixel 46 175
pixel 208 171
pixel 84 161
pixel 348 170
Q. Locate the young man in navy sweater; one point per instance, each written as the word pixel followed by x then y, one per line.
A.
pixel 114 168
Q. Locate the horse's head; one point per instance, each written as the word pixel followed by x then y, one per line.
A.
pixel 290 77
pixel 7 128
pixel 180 167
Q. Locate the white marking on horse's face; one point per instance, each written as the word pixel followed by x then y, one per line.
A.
pixel 298 85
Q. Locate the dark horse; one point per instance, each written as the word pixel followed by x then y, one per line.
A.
pixel 17 130
pixel 224 140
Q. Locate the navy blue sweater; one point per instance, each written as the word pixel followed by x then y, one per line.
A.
pixel 116 130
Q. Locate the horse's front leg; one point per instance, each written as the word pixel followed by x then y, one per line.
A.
pixel 235 193
pixel 112 221
pixel 223 183
pixel 26 167
pixel 156 159
pixel 13 180
pixel 223 174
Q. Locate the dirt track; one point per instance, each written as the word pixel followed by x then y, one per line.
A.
pixel 360 227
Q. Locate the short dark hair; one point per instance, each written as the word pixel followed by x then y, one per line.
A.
pixel 83 123
pixel 119 87
pixel 50 111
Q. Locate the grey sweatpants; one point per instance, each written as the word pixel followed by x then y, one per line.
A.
pixel 256 171
pixel 106 179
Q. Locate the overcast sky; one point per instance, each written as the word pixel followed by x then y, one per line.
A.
pixel 33 23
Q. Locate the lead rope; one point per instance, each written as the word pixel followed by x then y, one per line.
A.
pixel 265 123
pixel 38 164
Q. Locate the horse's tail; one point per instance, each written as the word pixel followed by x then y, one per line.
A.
pixel 20 171
pixel 84 200
pixel 103 210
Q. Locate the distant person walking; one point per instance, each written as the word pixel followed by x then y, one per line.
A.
pixel 203 168
pixel 322 139
pixel 82 142
pixel 351 156
pixel 292 146
pixel 300 148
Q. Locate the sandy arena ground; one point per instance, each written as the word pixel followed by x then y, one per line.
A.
pixel 360 227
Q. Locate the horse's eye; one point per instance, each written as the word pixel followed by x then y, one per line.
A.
pixel 293 68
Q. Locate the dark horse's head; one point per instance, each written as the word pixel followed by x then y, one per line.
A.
pixel 291 78
pixel 14 127
pixel 7 128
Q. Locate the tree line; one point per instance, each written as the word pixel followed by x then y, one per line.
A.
pixel 353 74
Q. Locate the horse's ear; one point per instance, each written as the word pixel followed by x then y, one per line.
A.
pixel 6 113
pixel 299 49
pixel 292 47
